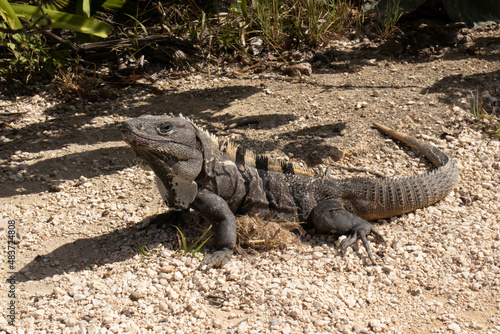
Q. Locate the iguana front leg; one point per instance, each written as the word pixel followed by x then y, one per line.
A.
pixel 215 209
pixel 329 216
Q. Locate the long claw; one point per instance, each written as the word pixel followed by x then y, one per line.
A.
pixel 367 247
pixel 216 259
pixel 349 240
pixel 362 231
pixel 377 235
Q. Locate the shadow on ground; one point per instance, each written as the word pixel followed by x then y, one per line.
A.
pixel 85 253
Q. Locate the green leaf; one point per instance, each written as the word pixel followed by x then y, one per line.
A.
pixel 183 239
pixel 9 15
pixel 198 241
pixel 83 8
pixel 115 4
pixel 61 20
pixel 142 250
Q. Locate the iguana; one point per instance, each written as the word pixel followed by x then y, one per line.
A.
pixel 219 179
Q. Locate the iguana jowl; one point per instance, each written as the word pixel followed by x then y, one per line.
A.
pixel 218 179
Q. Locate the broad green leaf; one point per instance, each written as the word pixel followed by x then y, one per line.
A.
pixel 61 20
pixel 115 4
pixel 97 7
pixel 9 16
pixel 83 8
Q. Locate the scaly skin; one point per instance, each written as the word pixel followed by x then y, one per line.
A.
pixel 219 179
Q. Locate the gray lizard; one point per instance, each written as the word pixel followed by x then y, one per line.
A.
pixel 218 179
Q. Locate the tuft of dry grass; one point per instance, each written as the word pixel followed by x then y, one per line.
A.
pixel 259 234
pixel 74 83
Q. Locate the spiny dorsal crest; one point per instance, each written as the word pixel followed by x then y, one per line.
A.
pixel 242 156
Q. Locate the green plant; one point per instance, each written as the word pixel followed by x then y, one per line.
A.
pixel 198 243
pixel 279 23
pixel 13 13
pixel 476 106
pixel 27 30
pixel 142 249
pixel 32 59
pixel 489 122
pixel 390 18
pixel 72 82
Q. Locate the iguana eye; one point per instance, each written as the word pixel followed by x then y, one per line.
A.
pixel 164 128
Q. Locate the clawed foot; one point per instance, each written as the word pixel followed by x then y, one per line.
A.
pixel 216 259
pixel 362 231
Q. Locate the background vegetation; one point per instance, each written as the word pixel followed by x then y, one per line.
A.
pixel 39 40
pixel 42 39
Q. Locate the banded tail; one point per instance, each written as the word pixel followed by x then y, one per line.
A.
pixel 376 199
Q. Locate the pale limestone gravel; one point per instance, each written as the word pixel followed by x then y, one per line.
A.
pixel 439 271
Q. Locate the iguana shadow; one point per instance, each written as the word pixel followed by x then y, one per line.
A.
pixel 86 253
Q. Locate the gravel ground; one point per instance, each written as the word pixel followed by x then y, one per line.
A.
pixel 81 207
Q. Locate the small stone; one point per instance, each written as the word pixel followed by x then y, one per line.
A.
pixel 350 301
pixel 163 306
pixel 454 327
pixel 360 105
pixel 70 322
pixel 387 268
pixel 217 324
pixel 129 208
pixel 242 328
pixel 477 326
pixel 415 291
pixel 167 269
pixel 430 285
pixel 78 296
pixel 53 188
pixel 38 314
pixel 387 281
pixel 275 322
pixel 358 328
pixel 178 276
pixel 487 185
pixel 317 255
pixel 135 296
pixel 376 325
pixel 74 289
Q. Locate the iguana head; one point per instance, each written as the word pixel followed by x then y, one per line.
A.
pixel 172 148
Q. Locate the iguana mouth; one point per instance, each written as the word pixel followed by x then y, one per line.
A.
pixel 135 140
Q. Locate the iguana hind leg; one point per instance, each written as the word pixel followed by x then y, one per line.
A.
pixel 329 216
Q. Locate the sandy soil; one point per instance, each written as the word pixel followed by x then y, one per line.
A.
pixel 81 206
